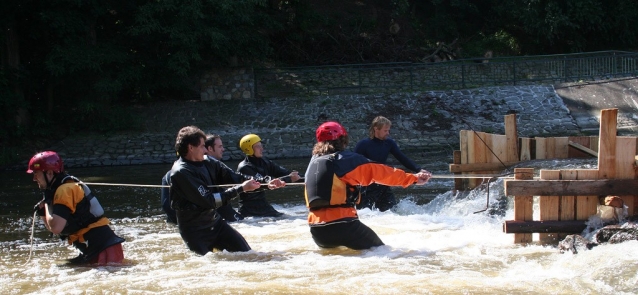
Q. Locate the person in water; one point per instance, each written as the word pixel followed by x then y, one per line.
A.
pixel 330 179
pixel 214 150
pixel 254 203
pixel 70 209
pixel 195 196
pixel 377 148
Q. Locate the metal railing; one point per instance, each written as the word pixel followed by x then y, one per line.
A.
pixel 449 75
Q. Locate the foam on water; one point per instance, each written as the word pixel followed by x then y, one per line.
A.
pixel 427 251
pixel 441 247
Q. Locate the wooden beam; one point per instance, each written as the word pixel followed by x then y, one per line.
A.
pixel 475 167
pixel 523 205
pixel 553 226
pixel 582 148
pixel 571 187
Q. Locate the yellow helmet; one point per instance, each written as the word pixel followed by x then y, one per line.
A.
pixel 246 143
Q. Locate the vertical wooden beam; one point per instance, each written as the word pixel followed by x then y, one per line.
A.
pixel 511 135
pixel 464 134
pixel 625 166
pixel 568 203
pixel 523 205
pixel 593 143
pixel 607 144
pixel 540 148
pixel 549 206
pixel 456 159
pixel 561 148
pixel 479 141
pixel 550 148
pixel 525 149
pixel 586 205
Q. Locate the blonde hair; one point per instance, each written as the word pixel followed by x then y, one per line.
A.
pixel 378 123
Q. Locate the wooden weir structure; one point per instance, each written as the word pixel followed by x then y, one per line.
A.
pixel 566 198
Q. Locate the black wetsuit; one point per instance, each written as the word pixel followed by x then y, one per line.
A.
pixel 377 195
pixel 201 227
pixel 226 211
pixel 254 203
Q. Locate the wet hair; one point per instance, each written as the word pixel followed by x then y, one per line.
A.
pixel 327 147
pixel 378 123
pixel 210 140
pixel 189 135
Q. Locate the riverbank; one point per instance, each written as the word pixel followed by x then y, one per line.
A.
pixel 423 122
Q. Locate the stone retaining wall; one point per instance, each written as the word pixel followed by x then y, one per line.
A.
pixel 422 122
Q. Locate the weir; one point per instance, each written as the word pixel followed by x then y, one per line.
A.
pixel 566 198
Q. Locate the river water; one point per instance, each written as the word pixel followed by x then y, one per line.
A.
pixel 435 244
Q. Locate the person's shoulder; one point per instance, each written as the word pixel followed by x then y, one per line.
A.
pixel 68 187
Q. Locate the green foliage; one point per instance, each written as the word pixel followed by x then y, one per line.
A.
pixel 69 64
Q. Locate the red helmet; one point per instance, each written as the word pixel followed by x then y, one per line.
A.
pixel 44 161
pixel 330 131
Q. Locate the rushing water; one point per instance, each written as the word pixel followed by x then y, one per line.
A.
pixel 432 247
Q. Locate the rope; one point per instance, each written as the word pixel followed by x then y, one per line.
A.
pixel 450 176
pixel 31 238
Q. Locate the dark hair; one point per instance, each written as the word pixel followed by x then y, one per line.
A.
pixel 189 135
pixel 327 147
pixel 210 140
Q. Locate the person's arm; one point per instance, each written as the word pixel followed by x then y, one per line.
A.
pixel 369 173
pixel 402 158
pixel 195 190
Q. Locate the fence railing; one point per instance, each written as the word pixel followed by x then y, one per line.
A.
pixel 449 75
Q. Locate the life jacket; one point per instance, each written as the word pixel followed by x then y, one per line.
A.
pixel 324 189
pixel 87 211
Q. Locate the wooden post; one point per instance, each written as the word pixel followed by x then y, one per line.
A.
pixel 511 135
pixel 458 182
pixel 607 144
pixel 549 206
pixel 525 149
pixel 523 205
pixel 587 205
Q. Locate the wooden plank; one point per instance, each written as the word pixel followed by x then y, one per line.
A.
pixel 561 147
pixel 525 149
pixel 475 167
pixel 593 143
pixel 583 149
pixel 544 226
pixel 548 205
pixel 625 166
pixel 498 144
pixel 586 205
pixel 567 210
pixel 523 205
pixel 463 138
pixel 625 157
pixel 480 154
pixel 540 147
pixel 607 144
pixel 550 148
pixel 464 134
pixel 456 159
pixel 600 187
pixel 581 141
pixel 511 135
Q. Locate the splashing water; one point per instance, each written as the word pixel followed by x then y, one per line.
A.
pixel 436 247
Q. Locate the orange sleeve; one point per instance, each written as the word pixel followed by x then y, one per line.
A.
pixel 369 173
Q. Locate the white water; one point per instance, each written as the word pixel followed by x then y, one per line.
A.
pixel 437 248
pixel 441 247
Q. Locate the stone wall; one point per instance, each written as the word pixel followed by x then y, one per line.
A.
pixel 423 122
pixel 231 83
